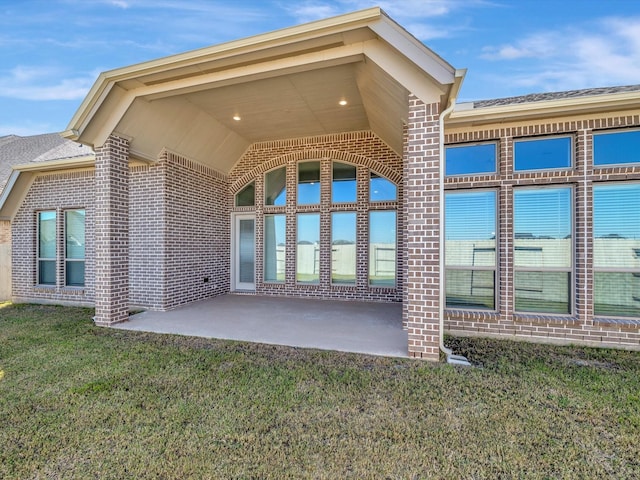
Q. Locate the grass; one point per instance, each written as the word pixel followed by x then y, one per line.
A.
pixel 78 401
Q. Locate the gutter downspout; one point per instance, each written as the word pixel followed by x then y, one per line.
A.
pixel 451 357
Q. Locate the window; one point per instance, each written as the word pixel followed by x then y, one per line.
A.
pixel 309 183
pixel 470 249
pixel 542 153
pixel 470 159
pixel 47 248
pixel 275 187
pixel 274 248
pixel 381 189
pixel 343 248
pixel 543 249
pixel 247 196
pixel 74 250
pixel 343 186
pixel 616 249
pixel 308 248
pixel 382 248
pixel 611 148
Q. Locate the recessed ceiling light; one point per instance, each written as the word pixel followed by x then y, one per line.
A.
pixel 237 118
pixel 342 102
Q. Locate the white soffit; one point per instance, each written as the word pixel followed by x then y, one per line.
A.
pixel 285 84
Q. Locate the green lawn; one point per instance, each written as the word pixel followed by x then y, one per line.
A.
pixel 77 401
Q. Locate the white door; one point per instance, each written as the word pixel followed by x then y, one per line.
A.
pixel 244 264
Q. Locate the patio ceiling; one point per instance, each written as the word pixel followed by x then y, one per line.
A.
pixel 285 84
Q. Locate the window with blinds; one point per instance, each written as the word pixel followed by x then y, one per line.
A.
pixel 470 249
pixel 543 247
pixel 616 249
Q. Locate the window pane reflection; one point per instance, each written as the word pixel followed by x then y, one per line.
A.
pixel 540 154
pixel 470 159
pixel 381 189
pixel 308 183
pixel 275 191
pixel 616 147
pixel 343 187
pixel 382 248
pixel 274 248
pixel 308 248
pixel 343 248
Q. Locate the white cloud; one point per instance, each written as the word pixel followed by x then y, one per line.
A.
pixel 34 83
pixel 602 54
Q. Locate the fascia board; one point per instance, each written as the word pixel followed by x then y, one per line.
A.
pixel 427 60
pixel 521 111
pixel 65 163
pixel 106 80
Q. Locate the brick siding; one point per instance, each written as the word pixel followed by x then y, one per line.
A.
pixel 364 150
pixel 582 326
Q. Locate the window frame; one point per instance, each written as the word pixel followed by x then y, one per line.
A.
pixel 245 187
pixel 496 263
pixel 597 269
pixel 317 260
pixel 65 257
pixel 598 133
pixel 571 269
pixel 265 190
pixel 355 246
pixel 369 253
pixel 496 158
pixel 370 200
pixel 40 258
pixel 298 183
pixel 572 152
pixel 264 249
pixel 355 167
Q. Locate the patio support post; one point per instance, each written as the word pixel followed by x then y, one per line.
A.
pixel 421 189
pixel 112 231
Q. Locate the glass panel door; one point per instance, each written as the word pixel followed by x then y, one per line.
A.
pixel 245 252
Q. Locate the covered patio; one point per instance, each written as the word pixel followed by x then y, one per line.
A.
pixel 362 327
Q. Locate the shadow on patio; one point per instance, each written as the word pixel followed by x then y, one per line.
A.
pixel 348 326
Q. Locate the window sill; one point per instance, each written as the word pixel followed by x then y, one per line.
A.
pixel 617 321
pixel 545 318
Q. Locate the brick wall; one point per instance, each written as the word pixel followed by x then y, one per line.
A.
pixel 363 149
pixel 422 180
pixel 197 232
pixel 582 326
pixel 53 192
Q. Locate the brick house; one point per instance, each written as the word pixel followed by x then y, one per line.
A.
pixel 317 161
pixel 30 154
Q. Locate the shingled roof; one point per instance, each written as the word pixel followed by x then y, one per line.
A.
pixel 16 150
pixel 542 97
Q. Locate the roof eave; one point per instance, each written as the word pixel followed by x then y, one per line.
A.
pixel 549 108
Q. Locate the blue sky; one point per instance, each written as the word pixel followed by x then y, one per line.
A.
pixel 51 51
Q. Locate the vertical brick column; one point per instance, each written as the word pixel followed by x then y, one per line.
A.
pixel 112 232
pixel 584 281
pixel 421 190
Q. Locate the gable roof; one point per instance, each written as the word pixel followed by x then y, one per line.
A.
pixel 282 84
pixel 21 157
pixel 16 150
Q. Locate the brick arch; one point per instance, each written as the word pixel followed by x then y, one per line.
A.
pixel 337 155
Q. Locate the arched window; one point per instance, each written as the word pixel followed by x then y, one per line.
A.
pixel 247 196
pixel 381 189
pixel 275 187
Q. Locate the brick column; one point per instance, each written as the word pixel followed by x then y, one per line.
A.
pixel 112 232
pixel 421 190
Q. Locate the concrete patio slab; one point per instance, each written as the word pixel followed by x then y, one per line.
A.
pixel 349 326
